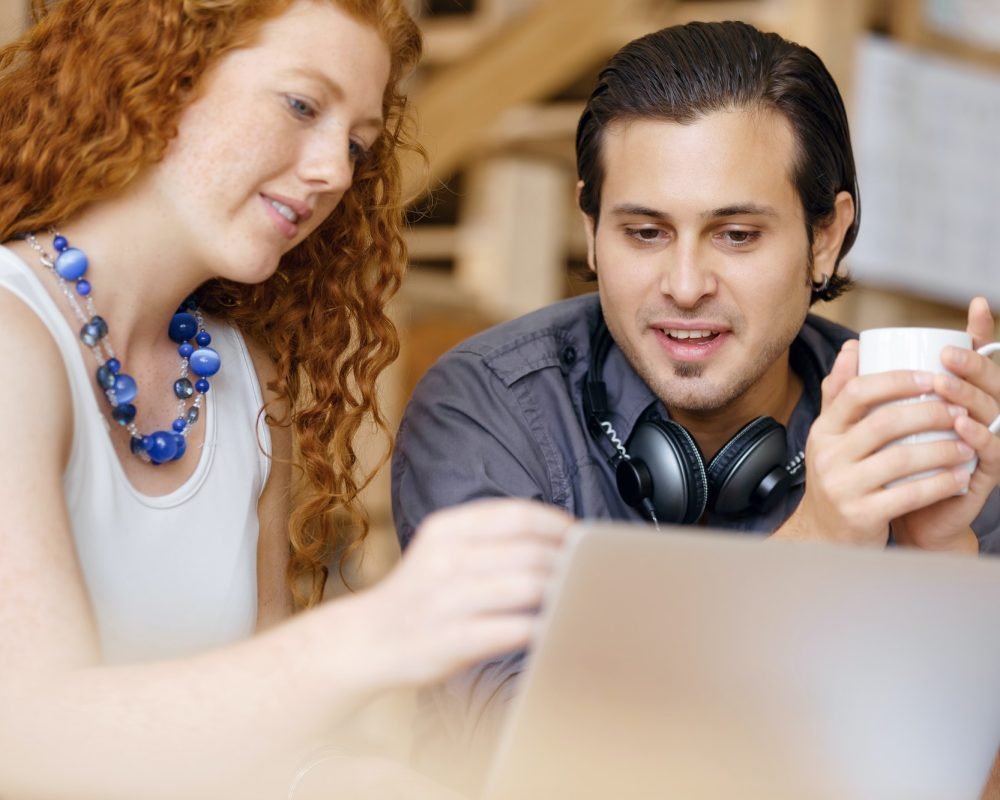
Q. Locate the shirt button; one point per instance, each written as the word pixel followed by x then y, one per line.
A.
pixel 568 355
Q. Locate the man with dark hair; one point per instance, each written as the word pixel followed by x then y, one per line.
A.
pixel 719 196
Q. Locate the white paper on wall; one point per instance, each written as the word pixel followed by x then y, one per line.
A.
pixel 974 21
pixel 927 143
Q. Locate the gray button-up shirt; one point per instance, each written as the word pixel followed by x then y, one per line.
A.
pixel 501 415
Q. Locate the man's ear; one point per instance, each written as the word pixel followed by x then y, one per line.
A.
pixel 589 228
pixel 828 238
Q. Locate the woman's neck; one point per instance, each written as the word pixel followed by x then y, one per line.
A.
pixel 139 272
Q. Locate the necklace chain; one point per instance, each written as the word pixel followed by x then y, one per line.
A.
pixel 120 389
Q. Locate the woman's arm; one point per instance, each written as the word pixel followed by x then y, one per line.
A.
pixel 237 721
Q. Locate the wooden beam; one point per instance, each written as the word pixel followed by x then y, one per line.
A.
pixel 511 245
pixel 535 55
pixel 13 18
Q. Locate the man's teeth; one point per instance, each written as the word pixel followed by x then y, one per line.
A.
pixel 678 334
pixel 285 211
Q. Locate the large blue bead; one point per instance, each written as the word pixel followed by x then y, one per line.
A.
pixel 125 388
pixel 71 264
pixel 183 326
pixel 162 446
pixel 205 362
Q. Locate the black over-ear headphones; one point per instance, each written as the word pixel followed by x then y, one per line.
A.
pixel 661 470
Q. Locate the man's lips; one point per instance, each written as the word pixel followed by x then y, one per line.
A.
pixel 691 342
pixel 693 335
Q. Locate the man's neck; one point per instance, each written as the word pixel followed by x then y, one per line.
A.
pixel 775 395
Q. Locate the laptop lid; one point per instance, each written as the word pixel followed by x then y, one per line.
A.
pixel 703 664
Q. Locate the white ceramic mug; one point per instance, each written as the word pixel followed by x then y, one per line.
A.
pixel 884 349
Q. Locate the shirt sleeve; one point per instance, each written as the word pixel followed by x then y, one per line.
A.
pixel 466 435
pixel 987 524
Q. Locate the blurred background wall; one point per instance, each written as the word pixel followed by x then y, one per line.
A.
pixel 493 227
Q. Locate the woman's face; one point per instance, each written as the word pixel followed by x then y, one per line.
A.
pixel 268 148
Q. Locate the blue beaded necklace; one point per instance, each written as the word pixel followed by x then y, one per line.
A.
pixel 159 447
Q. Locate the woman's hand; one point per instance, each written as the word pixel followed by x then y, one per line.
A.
pixel 467 589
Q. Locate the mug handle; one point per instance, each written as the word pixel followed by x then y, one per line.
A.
pixel 988 350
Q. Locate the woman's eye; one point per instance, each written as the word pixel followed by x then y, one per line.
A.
pixel 358 152
pixel 300 107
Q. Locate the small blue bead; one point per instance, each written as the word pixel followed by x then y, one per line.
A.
pixel 60 243
pixel 181 446
pixel 123 414
pixel 185 350
pixel 136 445
pixel 201 386
pixel 179 425
pixel 71 264
pixel 205 362
pixel 105 377
pixel 93 331
pixel 125 388
pixel 204 338
pixel 162 446
pixel 83 287
pixel 182 327
pixel 114 365
pixel 183 389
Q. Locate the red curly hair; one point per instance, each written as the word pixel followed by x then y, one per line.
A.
pixel 91 95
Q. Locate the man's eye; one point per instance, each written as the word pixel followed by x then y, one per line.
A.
pixel 643 234
pixel 741 238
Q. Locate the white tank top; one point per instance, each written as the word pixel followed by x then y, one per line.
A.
pixel 177 573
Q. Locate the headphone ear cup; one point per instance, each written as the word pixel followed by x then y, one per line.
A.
pixel 749 472
pixel 672 468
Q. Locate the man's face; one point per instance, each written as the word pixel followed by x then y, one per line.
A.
pixel 702 256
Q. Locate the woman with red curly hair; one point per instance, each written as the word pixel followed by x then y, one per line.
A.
pixel 213 186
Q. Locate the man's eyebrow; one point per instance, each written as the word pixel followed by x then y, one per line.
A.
pixel 741 210
pixel 633 210
pixel 735 210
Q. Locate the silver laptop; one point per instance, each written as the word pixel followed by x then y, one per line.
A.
pixel 698 665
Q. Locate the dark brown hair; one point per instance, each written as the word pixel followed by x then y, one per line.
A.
pixel 683 72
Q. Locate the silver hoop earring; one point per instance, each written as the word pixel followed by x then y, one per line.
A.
pixel 819 287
